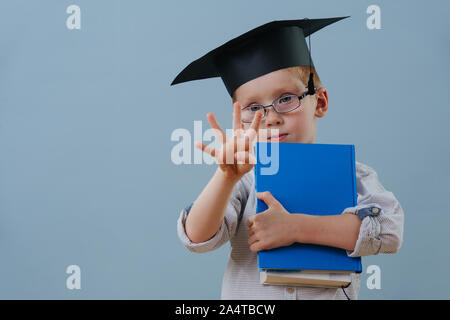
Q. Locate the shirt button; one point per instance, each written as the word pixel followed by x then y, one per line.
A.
pixel 290 290
pixel 375 210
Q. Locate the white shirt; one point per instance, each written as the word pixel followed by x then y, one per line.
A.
pixel 378 234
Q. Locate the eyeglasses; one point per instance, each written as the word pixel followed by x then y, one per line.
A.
pixel 283 104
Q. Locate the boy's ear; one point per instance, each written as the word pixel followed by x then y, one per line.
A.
pixel 322 102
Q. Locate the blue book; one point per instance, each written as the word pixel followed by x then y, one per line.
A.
pixel 316 179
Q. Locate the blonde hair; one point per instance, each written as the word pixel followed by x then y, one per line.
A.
pixel 302 72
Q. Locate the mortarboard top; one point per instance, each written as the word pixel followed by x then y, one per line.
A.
pixel 273 46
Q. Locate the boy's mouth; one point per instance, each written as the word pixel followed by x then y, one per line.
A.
pixel 279 138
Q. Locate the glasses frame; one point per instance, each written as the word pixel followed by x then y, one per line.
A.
pixel 300 97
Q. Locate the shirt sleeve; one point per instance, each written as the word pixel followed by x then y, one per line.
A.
pixel 227 230
pixel 381 232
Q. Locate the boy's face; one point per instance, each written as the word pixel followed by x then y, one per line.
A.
pixel 298 125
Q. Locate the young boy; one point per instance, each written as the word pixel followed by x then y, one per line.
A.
pixel 269 75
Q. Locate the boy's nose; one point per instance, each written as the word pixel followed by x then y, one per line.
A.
pixel 272 118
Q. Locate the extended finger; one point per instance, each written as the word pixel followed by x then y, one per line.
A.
pixel 254 126
pixel 237 123
pixel 218 132
pixel 256 120
pixel 208 149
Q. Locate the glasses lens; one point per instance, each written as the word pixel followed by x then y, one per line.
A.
pixel 287 103
pixel 248 113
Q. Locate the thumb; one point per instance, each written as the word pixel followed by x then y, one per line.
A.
pixel 268 198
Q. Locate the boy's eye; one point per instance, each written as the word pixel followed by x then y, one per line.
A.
pixel 255 108
pixel 286 99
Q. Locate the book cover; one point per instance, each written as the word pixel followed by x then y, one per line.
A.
pixel 316 179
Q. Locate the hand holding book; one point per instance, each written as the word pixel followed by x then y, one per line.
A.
pixel 272 228
pixel 276 227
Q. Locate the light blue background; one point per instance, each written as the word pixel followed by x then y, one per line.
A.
pixel 86 117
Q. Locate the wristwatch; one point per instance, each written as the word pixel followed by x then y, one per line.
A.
pixel 369 211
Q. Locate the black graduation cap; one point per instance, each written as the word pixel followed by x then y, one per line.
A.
pixel 273 46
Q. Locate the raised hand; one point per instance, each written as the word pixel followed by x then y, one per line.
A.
pixel 236 155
